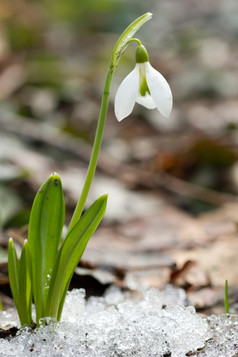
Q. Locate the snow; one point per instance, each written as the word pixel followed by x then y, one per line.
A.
pixel 149 323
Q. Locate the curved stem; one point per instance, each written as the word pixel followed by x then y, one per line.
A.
pixel 96 149
pixel 134 40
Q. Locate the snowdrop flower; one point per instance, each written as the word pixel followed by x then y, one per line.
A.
pixel 145 86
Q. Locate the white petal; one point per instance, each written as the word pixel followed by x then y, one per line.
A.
pixel 126 95
pixel 159 90
pixel 146 101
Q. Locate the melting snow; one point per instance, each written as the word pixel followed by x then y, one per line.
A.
pixel 148 324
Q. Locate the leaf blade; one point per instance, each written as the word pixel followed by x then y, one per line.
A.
pixel 127 36
pixel 13 270
pixel 25 286
pixel 45 229
pixel 70 254
pixel 18 290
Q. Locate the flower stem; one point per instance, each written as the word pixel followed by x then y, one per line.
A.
pixel 118 50
pixel 135 40
pixel 95 150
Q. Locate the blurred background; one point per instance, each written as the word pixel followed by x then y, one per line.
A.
pixel 172 183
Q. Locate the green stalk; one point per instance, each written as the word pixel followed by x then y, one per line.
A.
pixel 227 307
pixel 95 151
pixel 118 50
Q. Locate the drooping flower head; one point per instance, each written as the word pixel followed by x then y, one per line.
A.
pixel 145 86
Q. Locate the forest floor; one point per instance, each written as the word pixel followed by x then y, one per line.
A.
pixel 173 209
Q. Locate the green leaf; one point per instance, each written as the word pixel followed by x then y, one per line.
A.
pixel 127 36
pixel 19 278
pixel 25 286
pixel 45 229
pixel 226 298
pixel 70 254
pixel 13 271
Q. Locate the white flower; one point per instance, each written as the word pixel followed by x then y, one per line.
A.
pixel 145 86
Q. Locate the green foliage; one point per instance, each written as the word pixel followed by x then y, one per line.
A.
pixel 226 298
pixel 127 35
pixel 46 268
pixel 70 253
pixel 20 281
pixel 44 235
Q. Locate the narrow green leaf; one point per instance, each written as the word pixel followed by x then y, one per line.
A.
pixel 13 271
pixel 45 229
pixel 227 307
pixel 70 254
pixel 25 291
pixel 127 36
pixel 19 277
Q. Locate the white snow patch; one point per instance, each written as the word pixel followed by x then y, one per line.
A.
pixel 148 324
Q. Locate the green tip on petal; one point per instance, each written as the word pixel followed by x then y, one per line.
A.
pixel 144 88
pixel 141 54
